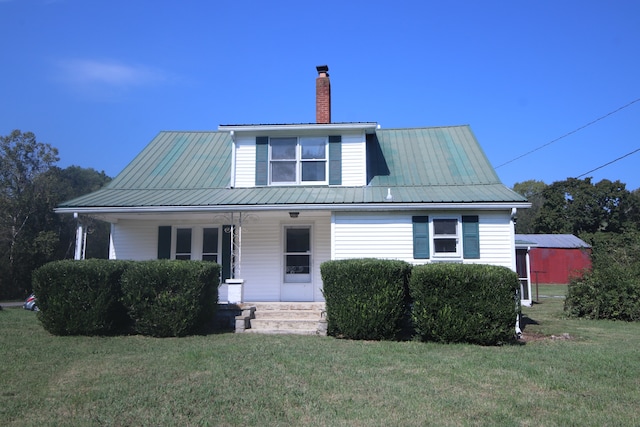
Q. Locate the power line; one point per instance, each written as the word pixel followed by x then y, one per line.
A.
pixel 571 133
pixel 608 163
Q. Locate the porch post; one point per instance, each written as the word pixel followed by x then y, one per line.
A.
pixel 530 299
pixel 81 237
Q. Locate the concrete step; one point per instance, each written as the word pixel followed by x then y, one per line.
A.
pixel 281 306
pixel 283 331
pixel 284 317
pixel 288 314
pixel 259 323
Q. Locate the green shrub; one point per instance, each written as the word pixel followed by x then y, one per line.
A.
pixel 607 293
pixel 170 298
pixel 365 298
pixel 81 297
pixel 612 289
pixel 464 303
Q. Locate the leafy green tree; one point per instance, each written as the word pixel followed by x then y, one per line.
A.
pixel 533 191
pixel 22 200
pixel 578 206
pixel 31 234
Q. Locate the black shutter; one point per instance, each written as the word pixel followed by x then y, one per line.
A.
pixel 335 160
pixel 262 160
pixel 164 242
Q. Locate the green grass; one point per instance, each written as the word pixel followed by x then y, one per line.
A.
pixel 590 379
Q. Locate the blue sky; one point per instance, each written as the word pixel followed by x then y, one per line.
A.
pixel 98 79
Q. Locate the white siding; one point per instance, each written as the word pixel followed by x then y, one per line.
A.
pixel 354 160
pixel 372 235
pixel 245 171
pixel 134 240
pixel 390 235
pixel 497 239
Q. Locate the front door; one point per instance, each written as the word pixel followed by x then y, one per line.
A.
pixel 297 260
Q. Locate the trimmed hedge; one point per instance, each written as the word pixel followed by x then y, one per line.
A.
pixel 469 303
pixel 170 298
pixel 81 297
pixel 365 298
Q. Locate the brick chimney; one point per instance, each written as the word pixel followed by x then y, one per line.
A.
pixel 323 95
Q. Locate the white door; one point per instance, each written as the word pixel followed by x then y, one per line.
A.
pixel 297 260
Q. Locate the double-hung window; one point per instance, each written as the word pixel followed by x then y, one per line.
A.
pixel 183 243
pixel 298 160
pixel 446 239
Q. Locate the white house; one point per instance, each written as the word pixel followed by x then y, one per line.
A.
pixel 271 202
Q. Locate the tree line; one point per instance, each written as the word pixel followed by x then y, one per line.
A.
pixel 31 233
pixel 578 206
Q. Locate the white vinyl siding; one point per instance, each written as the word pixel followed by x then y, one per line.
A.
pixel 496 240
pixel 372 235
pixel 354 160
pixel 134 240
pixel 245 172
pixel 389 235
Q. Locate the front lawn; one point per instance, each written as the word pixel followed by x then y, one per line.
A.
pixel 568 372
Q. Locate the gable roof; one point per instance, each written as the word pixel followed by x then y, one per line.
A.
pixel 563 241
pixel 192 170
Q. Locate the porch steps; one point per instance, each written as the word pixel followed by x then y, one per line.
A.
pixel 286 318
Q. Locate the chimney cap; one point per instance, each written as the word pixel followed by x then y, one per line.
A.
pixel 322 69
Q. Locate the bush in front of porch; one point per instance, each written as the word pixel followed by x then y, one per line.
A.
pixel 106 297
pixel 471 303
pixel 366 298
pixel 169 298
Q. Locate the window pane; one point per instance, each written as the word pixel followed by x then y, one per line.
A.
pixel 445 245
pixel 445 226
pixel 313 148
pixel 183 257
pixel 298 264
pixel 183 241
pixel 283 172
pixel 283 148
pixel 212 258
pixel 298 240
pixel 209 240
pixel 313 171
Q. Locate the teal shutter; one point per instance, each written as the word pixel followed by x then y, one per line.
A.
pixel 420 237
pixel 470 237
pixel 335 160
pixel 226 252
pixel 164 242
pixel 262 160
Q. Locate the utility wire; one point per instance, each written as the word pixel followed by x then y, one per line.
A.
pixel 608 163
pixel 571 133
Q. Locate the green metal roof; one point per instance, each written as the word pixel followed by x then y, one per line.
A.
pixel 192 169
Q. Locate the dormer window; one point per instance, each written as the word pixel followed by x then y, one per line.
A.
pixel 298 160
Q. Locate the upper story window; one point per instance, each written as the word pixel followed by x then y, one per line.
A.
pixel 298 160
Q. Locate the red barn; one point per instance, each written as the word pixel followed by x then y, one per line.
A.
pixel 555 258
